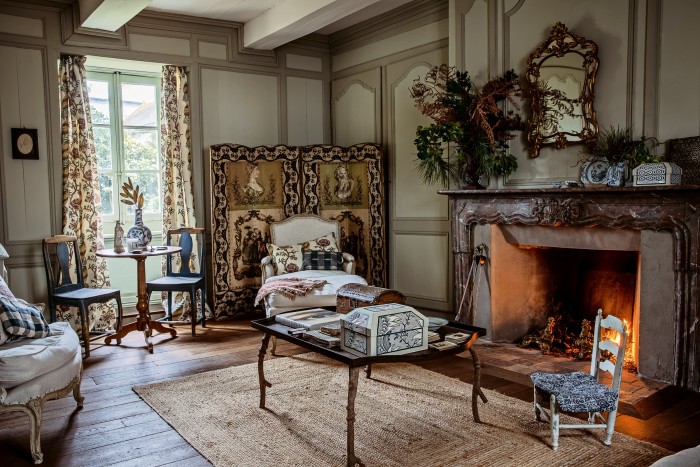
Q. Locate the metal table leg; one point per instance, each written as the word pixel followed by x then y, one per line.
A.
pixel 352 392
pixel 476 387
pixel 261 374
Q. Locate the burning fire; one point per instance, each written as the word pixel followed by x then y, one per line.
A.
pixel 551 340
pixel 610 334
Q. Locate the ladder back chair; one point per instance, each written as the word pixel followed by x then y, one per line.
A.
pixel 63 291
pixel 185 279
pixel 580 392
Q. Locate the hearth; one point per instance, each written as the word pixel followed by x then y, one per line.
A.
pixel 566 275
pixel 632 250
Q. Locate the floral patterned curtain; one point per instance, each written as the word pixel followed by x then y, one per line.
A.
pixel 176 167
pixel 81 191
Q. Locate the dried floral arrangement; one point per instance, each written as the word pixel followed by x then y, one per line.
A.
pixel 468 120
pixel 131 195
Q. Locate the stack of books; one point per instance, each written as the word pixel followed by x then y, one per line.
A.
pixel 317 324
pixel 433 337
pixel 332 329
pixel 322 338
pixel 442 345
pixel 458 337
pixel 310 319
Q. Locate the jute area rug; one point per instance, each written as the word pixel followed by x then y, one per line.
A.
pixel 405 416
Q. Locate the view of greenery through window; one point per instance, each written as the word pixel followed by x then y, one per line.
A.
pixel 126 122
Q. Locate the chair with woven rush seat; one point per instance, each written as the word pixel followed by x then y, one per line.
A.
pixel 579 392
pixel 184 279
pixel 62 289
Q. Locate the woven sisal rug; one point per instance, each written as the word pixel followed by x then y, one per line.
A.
pixel 405 416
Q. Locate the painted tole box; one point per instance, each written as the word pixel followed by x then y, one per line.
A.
pixel 390 329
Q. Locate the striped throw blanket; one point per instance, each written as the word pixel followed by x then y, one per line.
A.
pixel 290 288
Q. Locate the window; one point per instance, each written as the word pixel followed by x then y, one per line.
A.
pixel 125 114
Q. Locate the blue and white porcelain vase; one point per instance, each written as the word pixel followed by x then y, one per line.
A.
pixel 139 231
pixel 617 173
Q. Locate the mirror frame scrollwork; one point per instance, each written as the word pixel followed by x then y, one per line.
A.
pixel 560 43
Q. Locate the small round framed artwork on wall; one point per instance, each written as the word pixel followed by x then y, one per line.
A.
pixel 25 143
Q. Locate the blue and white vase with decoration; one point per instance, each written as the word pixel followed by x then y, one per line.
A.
pixel 139 230
pixel 132 196
pixel 617 173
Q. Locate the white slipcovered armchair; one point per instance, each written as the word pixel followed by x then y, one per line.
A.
pixel 299 229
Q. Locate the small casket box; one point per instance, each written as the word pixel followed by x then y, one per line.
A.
pixel 657 173
pixel 390 329
pixel 351 296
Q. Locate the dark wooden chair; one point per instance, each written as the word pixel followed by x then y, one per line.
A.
pixel 185 279
pixel 62 289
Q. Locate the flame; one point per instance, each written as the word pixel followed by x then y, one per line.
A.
pixel 614 336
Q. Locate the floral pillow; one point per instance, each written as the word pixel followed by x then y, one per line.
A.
pixel 290 258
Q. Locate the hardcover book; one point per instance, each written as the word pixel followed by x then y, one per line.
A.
pixel 308 319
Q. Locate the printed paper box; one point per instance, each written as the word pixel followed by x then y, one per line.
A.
pixel 390 329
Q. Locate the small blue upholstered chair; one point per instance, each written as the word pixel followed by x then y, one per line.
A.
pixel 579 392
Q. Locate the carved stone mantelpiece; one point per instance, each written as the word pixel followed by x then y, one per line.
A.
pixel 673 209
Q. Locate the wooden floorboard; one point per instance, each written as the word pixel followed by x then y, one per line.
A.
pixel 116 427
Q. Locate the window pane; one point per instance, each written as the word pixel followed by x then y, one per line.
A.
pixel 139 105
pixel 149 186
pixel 103 148
pixel 106 192
pixel 141 149
pixel 98 93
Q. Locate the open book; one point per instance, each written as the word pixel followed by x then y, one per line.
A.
pixel 308 319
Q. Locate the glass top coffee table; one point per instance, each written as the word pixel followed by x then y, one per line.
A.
pixel 355 363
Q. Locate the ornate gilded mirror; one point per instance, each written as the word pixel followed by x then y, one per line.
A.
pixel 561 74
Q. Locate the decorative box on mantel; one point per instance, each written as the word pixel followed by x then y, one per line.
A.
pixel 657 173
pixel 390 329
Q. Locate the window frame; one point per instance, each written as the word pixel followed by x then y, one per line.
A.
pixel 115 79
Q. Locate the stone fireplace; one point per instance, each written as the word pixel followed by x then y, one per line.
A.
pixel 631 251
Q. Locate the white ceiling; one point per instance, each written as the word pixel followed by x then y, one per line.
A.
pixel 271 23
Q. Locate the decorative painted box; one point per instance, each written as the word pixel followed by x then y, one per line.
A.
pixel 390 329
pixel 351 296
pixel 657 173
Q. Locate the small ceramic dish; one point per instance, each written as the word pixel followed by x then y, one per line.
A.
pixel 436 323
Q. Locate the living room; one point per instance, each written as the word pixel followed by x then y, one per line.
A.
pixel 313 81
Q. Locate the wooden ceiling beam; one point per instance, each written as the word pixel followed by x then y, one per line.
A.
pixel 292 19
pixel 109 15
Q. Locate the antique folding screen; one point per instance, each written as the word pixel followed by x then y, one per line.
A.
pixel 251 188
pixel 347 185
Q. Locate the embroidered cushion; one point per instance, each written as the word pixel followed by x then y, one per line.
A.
pixel 289 258
pixel 322 260
pixel 577 391
pixel 22 319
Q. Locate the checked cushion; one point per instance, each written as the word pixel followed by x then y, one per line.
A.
pixel 22 319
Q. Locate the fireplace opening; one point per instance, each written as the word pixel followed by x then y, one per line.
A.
pixel 580 283
pixel 532 283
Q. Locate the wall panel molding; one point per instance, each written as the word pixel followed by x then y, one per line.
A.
pixel 347 102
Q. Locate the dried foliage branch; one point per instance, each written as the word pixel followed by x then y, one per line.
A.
pixel 131 195
pixel 471 119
